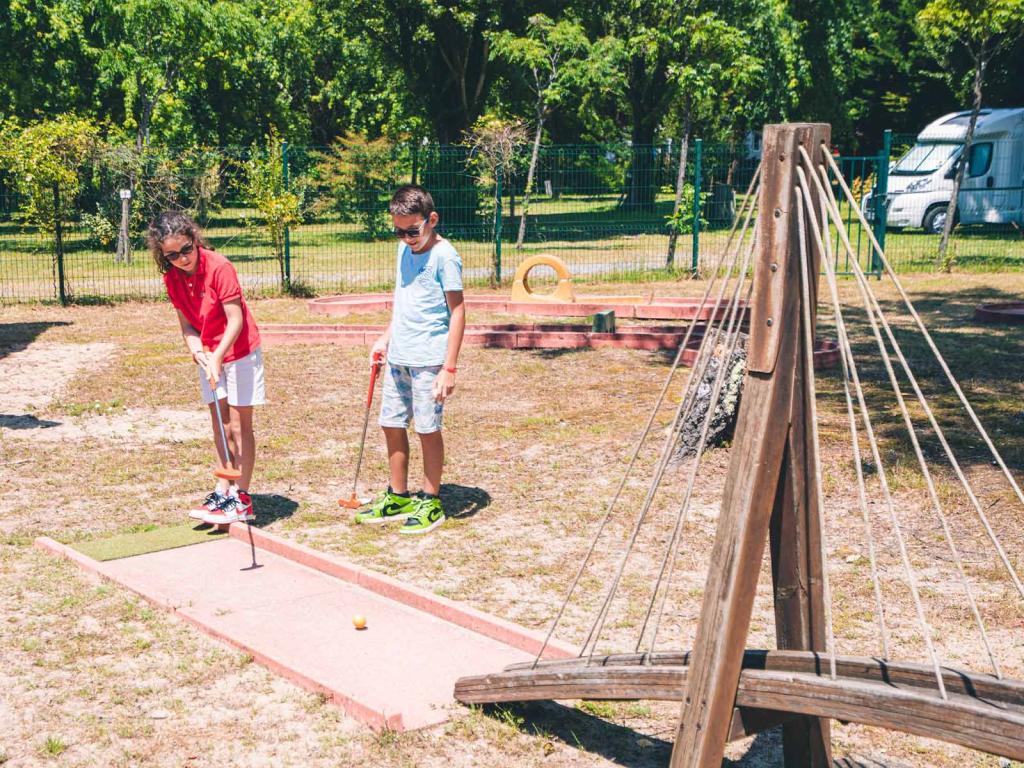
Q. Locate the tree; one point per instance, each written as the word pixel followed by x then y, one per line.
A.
pixel 711 64
pixel 279 207
pixel 441 48
pixel 492 146
pixel 45 160
pixel 551 52
pixel 981 28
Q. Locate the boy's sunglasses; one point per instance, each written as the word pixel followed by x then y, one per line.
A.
pixel 411 231
pixel 175 255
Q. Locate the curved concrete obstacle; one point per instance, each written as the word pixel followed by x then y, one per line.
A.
pixel 1010 312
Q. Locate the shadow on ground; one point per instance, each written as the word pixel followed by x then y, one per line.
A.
pixel 14 337
pixel 627 747
pixel 462 501
pixel 271 507
pixel 25 421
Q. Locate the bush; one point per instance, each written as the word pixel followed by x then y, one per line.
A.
pixel 360 175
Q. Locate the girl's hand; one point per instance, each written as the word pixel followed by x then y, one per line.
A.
pixel 213 369
pixel 202 360
pixel 444 385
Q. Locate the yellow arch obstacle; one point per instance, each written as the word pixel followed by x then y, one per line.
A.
pixel 896 671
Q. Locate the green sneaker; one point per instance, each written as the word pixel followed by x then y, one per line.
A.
pixel 426 516
pixel 386 507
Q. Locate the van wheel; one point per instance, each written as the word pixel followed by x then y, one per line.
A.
pixel 935 219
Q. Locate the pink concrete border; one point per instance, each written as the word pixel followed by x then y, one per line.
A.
pixel 662 308
pixel 461 615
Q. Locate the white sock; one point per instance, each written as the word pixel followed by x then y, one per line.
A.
pixel 233 491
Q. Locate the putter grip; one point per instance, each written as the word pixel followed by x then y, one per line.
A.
pixel 374 370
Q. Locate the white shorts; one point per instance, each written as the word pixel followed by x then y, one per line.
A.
pixel 241 381
pixel 409 394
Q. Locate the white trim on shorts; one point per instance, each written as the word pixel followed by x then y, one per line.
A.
pixel 241 381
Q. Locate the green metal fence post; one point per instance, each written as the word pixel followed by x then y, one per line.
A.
pixel 58 246
pixel 881 204
pixel 698 153
pixel 497 227
pixel 415 162
pixel 287 232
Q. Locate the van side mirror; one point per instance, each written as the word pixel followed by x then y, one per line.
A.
pixel 952 170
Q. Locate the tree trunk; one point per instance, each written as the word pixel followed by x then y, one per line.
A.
pixel 684 148
pixel 640 191
pixel 529 183
pixel 124 243
pixel 980 61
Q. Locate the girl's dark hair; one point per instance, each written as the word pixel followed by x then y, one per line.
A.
pixel 168 224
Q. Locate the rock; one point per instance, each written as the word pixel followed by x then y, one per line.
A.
pixel 88 625
pixel 724 417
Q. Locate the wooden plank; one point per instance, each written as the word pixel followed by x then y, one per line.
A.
pixel 963 720
pixel 982 686
pixel 753 477
pixel 795 532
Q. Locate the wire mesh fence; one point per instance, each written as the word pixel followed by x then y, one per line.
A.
pixel 609 211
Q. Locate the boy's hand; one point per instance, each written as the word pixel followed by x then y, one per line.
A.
pixel 379 349
pixel 444 385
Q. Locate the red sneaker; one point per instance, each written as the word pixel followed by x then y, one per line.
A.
pixel 233 509
pixel 206 506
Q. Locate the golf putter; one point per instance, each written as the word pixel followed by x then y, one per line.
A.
pixel 354 502
pixel 227 472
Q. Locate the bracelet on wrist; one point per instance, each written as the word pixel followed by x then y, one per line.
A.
pixel 451 370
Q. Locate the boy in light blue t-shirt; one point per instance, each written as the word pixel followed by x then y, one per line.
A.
pixel 421 345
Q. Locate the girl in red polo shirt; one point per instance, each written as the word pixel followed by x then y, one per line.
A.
pixel 222 337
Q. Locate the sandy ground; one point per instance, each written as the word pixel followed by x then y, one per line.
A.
pixel 92 676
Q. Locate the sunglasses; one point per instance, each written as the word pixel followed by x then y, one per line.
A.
pixel 175 255
pixel 411 231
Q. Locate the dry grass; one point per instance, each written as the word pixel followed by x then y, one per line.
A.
pixel 536 442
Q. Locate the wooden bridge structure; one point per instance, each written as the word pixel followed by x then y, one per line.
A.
pixel 774 499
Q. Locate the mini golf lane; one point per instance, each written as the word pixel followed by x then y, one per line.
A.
pixel 294 616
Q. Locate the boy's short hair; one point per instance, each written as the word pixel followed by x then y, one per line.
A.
pixel 410 200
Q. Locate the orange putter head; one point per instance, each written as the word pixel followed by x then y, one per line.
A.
pixel 352 503
pixel 227 473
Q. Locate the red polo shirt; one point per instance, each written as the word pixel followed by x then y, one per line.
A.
pixel 201 296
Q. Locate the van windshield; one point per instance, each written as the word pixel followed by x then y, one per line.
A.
pixel 923 159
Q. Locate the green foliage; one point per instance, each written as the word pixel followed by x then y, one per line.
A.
pixel 264 187
pixel 45 160
pixel 360 174
pixel 681 222
pixel 980 27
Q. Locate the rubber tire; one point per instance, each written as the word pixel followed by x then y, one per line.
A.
pixel 928 223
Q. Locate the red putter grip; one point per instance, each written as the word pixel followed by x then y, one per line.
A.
pixel 378 361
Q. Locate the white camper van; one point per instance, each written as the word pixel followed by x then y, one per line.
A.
pixel 992 192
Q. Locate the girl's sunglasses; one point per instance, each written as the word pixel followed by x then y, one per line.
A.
pixel 175 255
pixel 411 231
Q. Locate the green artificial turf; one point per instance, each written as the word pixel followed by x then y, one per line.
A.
pixel 143 542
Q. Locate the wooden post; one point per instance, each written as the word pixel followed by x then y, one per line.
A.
pixel 758 469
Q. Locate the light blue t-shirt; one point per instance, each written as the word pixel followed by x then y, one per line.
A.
pixel 420 313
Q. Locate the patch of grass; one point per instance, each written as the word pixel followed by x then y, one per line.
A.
pixel 54 746
pixel 606 710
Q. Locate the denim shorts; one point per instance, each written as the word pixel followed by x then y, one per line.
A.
pixel 409 394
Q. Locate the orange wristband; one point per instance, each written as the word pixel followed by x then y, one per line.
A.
pixel 451 370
